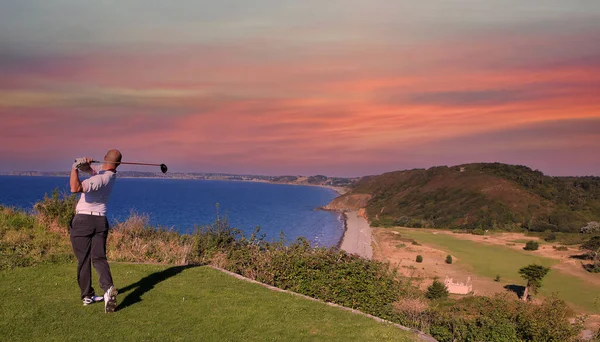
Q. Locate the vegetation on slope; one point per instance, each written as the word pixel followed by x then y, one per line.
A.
pixel 327 274
pixel 481 196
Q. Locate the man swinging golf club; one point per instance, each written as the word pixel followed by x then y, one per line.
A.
pixel 89 227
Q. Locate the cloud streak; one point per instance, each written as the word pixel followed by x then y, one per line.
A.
pixel 289 89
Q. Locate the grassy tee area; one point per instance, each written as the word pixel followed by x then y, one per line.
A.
pixel 160 303
pixel 489 261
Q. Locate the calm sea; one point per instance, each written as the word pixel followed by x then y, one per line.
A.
pixel 182 204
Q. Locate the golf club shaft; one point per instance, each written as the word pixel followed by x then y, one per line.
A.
pixel 130 163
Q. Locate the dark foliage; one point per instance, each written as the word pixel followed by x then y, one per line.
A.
pixel 437 290
pixel 531 246
pixel 481 196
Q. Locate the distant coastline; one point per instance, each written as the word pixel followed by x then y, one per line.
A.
pixel 338 184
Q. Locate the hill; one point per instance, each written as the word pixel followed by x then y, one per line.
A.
pixel 482 195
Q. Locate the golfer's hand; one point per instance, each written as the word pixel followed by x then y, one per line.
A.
pixel 83 164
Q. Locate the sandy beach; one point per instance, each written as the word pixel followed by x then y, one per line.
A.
pixel 357 238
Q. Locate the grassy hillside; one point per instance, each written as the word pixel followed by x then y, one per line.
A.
pixel 162 303
pixel 485 196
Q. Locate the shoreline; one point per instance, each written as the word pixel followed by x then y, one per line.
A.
pixel 357 238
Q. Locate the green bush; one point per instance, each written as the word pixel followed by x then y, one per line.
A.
pixel 419 258
pixel 57 207
pixel 497 277
pixel 478 232
pixel 449 259
pixel 327 274
pixel 531 246
pixel 26 241
pixel 437 290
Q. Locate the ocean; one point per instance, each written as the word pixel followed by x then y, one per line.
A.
pixel 183 204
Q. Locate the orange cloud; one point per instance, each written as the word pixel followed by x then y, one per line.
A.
pixel 345 111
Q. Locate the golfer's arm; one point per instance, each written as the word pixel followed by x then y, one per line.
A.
pixel 76 185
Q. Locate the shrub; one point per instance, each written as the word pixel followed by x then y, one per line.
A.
pixel 437 290
pixel 560 248
pixel 550 237
pixel 531 246
pixel 419 258
pixel 497 277
pixel 478 232
pixel 58 207
pixel 547 322
pixel 134 240
pixel 449 259
pixel 26 241
pixel 327 274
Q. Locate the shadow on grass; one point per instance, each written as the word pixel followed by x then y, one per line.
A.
pixel 517 289
pixel 147 283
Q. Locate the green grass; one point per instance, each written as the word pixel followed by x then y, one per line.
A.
pixel 488 261
pixel 159 303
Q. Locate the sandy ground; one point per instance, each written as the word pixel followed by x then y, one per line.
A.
pixel 357 238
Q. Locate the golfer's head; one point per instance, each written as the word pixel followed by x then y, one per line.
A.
pixel 114 157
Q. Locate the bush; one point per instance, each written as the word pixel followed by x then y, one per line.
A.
pixel 531 246
pixel 27 241
pixel 437 290
pixel 136 241
pixel 419 258
pixel 327 274
pixel 560 248
pixel 449 259
pixel 478 232
pixel 497 277
pixel 58 207
pixel 550 237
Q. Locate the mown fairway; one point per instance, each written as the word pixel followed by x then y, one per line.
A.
pixel 489 261
pixel 161 303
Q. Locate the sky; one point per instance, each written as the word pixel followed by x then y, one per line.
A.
pixel 338 87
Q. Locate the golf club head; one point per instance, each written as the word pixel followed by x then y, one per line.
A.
pixel 163 168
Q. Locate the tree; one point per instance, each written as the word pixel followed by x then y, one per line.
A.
pixel 593 247
pixel 533 274
pixel 531 246
pixel 592 227
pixel 437 290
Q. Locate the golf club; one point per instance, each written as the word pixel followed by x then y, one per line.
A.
pixel 163 167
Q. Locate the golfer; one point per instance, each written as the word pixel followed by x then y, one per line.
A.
pixel 89 227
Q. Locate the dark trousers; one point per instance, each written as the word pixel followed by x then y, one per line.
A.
pixel 88 238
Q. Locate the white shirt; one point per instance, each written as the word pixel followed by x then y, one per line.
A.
pixel 96 191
